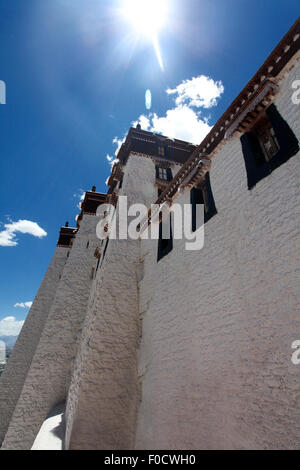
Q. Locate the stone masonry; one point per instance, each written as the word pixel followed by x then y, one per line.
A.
pixel 14 375
pixel 188 351
pixel 48 378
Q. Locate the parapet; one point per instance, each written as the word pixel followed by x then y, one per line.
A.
pixel 90 203
pixel 66 236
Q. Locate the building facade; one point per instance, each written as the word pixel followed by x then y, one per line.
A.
pixel 153 346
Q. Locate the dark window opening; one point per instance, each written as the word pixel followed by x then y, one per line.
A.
pixel 103 256
pixel 88 242
pixel 202 194
pixel 105 248
pixel 165 238
pixel 120 183
pixel 267 139
pixel 269 144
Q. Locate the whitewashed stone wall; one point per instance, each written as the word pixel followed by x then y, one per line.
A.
pixel 104 395
pixel 217 325
pixel 193 351
pixel 13 377
pixel 48 378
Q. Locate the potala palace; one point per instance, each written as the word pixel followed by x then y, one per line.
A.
pixel 143 344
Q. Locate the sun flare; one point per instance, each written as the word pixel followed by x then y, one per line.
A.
pixel 147 17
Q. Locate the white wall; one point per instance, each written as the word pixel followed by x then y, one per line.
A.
pixel 13 377
pixel 218 324
pixel 104 393
pixel 48 378
pixel 193 351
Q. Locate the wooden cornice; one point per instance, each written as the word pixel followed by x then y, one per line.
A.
pixel 66 236
pixel 271 68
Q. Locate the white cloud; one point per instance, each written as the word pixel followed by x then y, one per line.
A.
pixel 81 198
pixel 80 195
pixel 8 235
pixel 23 304
pixel 180 122
pixel 9 326
pixel 118 142
pixel 201 91
pixel 111 160
pixel 144 121
pixel 184 121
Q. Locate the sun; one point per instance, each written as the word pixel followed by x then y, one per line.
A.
pixel 147 17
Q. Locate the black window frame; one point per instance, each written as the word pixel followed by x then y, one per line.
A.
pixel 165 245
pixel 104 252
pixel 257 166
pixel 197 196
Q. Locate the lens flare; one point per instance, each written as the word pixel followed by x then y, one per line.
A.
pixel 148 99
pixel 147 17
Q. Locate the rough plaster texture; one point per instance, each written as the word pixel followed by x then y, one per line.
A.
pixel 13 377
pixel 193 351
pixel 48 378
pixel 103 397
pixel 218 324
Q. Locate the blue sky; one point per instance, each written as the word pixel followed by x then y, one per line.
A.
pixel 76 73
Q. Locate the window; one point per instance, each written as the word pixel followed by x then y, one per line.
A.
pixel 269 144
pixel 163 173
pixel 162 150
pixel 101 258
pixel 104 251
pixel 165 238
pixel 267 140
pixel 202 194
